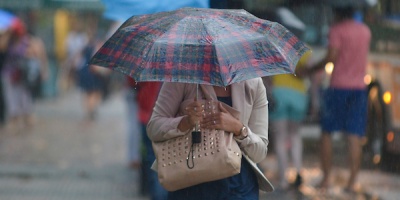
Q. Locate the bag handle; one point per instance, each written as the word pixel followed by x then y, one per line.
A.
pixel 196 135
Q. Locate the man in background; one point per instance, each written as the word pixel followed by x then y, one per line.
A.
pixel 344 103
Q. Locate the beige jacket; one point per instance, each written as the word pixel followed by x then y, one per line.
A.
pixel 248 97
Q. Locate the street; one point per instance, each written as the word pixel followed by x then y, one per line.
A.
pixel 61 158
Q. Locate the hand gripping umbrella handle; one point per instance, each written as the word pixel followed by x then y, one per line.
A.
pixel 196 134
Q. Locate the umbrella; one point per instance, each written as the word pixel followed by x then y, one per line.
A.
pixel 285 17
pixel 351 3
pixel 199 45
pixel 121 10
pixel 6 20
pixel 9 21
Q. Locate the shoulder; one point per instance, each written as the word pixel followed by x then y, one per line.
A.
pixel 254 85
pixel 365 28
pixel 253 82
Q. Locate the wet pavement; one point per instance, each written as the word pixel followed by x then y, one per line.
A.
pixel 61 158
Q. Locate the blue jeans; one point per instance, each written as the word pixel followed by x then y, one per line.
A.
pixel 134 131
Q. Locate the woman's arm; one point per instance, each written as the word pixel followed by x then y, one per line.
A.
pixel 256 144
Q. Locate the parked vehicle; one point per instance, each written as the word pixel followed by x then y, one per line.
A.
pixel 382 142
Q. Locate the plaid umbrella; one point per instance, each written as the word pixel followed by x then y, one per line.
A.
pixel 199 45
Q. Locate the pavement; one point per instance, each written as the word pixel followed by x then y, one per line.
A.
pixel 61 158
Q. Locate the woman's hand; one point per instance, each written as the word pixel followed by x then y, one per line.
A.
pixel 222 121
pixel 194 115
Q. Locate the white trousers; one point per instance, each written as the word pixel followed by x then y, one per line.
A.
pixel 287 139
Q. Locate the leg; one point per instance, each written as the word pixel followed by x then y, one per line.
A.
pixel 326 158
pixel 27 107
pixel 93 99
pixel 12 97
pixel 297 145
pixel 296 150
pixel 355 129
pixel 280 137
pixel 2 106
pixel 355 152
pixel 133 131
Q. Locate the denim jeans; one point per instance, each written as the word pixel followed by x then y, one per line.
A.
pixel 134 131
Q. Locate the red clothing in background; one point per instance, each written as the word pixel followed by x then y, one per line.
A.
pixel 352 40
pixel 146 94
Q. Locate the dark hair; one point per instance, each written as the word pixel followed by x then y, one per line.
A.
pixel 344 12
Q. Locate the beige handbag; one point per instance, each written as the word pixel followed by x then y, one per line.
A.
pixel 182 163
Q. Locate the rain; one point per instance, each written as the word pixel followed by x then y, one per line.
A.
pixel 71 129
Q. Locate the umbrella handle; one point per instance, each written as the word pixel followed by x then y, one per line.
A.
pixel 196 128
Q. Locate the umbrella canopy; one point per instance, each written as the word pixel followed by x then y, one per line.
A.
pixel 351 3
pixel 204 46
pixel 285 17
pixel 9 21
pixel 6 20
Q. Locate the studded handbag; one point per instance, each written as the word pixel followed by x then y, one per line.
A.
pixel 196 158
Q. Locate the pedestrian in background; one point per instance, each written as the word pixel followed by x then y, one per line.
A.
pixel 134 131
pixel 38 65
pixel 4 39
pixel 18 99
pixel 344 104
pixel 147 93
pixel 289 109
pixel 91 80
pixel 76 42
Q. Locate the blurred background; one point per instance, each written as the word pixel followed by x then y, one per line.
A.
pixel 75 144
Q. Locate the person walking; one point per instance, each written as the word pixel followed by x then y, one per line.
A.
pixel 18 99
pixel 91 80
pixel 133 128
pixel 344 104
pixel 4 39
pixel 289 94
pixel 38 65
pixel 147 93
pixel 250 132
pixel 76 44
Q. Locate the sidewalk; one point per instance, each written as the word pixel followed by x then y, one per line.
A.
pixel 374 183
pixel 60 159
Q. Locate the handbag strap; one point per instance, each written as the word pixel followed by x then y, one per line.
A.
pixel 196 135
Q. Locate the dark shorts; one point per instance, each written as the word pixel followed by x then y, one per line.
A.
pixel 344 110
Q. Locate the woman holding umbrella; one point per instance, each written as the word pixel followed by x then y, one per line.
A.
pixel 222 52
pixel 250 132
